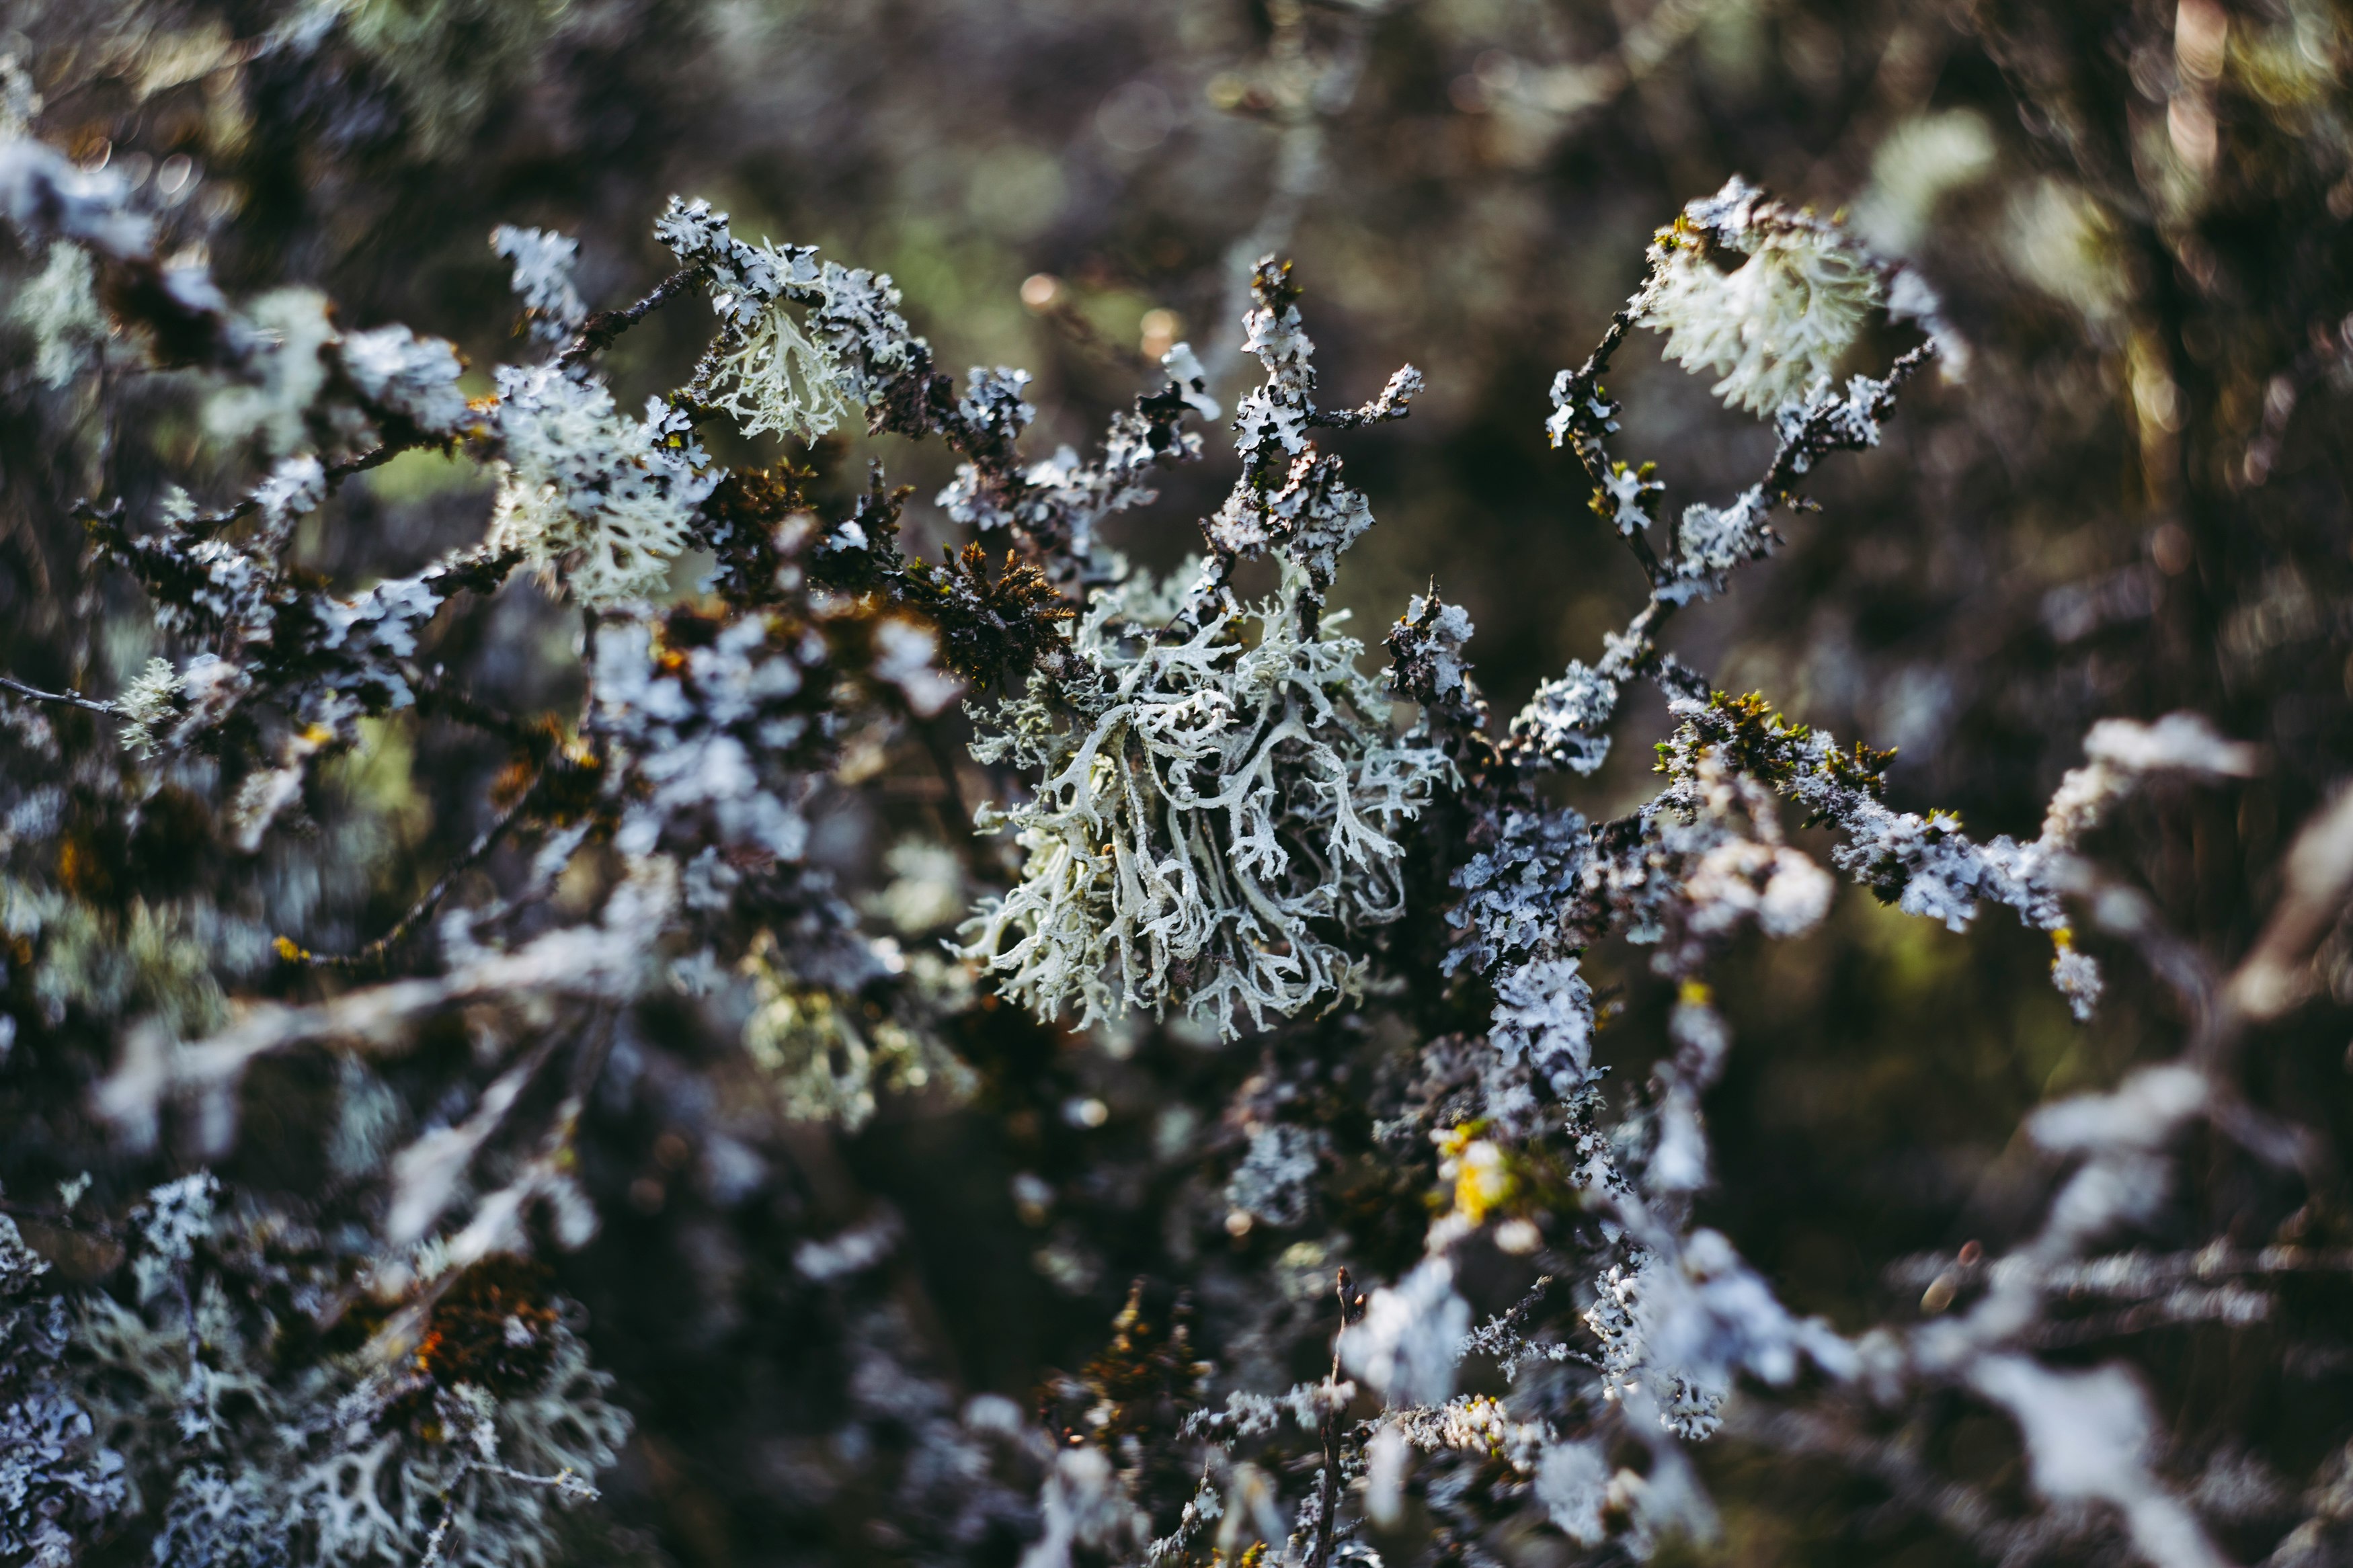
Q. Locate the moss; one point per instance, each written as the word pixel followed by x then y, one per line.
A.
pixel 993 630
pixel 493 1329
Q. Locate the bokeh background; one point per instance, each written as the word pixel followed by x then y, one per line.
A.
pixel 2132 498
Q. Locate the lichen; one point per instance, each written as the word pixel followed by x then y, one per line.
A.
pixel 1775 325
pixel 602 502
pixel 1203 811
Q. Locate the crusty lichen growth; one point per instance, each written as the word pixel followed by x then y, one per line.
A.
pixel 830 1060
pixel 1212 815
pixel 255 1441
pixel 775 372
pixel 600 501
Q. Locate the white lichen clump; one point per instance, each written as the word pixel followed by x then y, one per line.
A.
pixel 542 279
pixel 600 500
pixel 147 704
pixel 1776 326
pixel 1207 824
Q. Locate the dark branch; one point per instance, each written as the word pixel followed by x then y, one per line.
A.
pixel 599 332
pixel 374 953
pixel 436 698
pixel 205 524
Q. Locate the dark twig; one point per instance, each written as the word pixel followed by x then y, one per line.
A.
pixel 205 524
pixel 373 952
pixel 1817 435
pixel 598 332
pixel 59 1217
pixel 956 809
pixel 1803 444
pixel 596 335
pixel 434 697
pixel 1327 1516
pixel 1593 416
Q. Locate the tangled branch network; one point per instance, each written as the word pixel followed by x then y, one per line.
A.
pixel 1203 809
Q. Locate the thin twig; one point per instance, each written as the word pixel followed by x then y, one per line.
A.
pixel 440 1533
pixel 70 698
pixel 451 702
pixel 599 330
pixel 206 524
pixel 62 1219
pixel 944 762
pixel 1636 652
pixel 595 334
pixel 373 952
pixel 1325 1523
pixel 1589 428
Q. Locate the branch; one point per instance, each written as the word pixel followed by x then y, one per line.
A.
pixel 373 952
pixel 598 332
pixel 1817 435
pixel 1592 417
pixel 450 702
pixel 68 699
pixel 1583 379
pixel 205 524
pixel 1583 421
pixel 2276 974
pixel 1327 1524
pixel 432 1558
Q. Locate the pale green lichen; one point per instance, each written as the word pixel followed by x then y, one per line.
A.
pixel 1207 820
pixel 147 704
pixel 60 307
pixel 828 1062
pixel 774 379
pixel 1773 327
pixel 150 961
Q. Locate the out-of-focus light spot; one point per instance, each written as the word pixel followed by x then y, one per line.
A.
pixel 1160 329
pixel 1136 117
pixel 1518 1238
pixel 2196 137
pixel 1033 1199
pixel 1497 71
pixel 2169 548
pixel 2201 38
